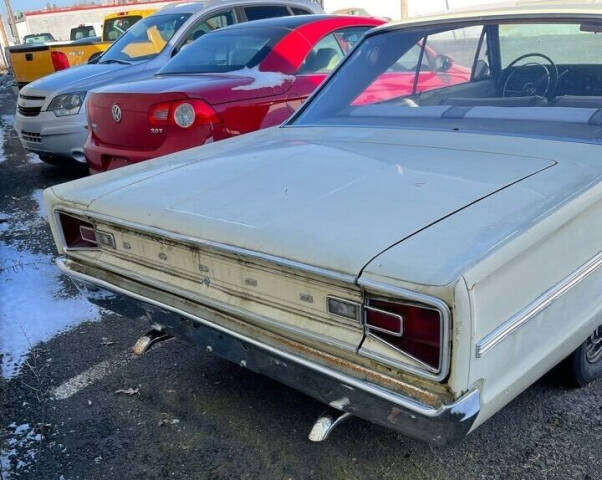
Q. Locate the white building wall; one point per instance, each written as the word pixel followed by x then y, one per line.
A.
pixel 377 8
pixel 393 9
pixel 60 23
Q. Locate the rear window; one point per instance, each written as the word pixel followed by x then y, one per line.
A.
pixel 266 11
pixel 39 38
pixel 116 27
pixel 300 11
pixel 82 32
pixel 225 51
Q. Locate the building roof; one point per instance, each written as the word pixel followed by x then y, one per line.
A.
pixel 138 5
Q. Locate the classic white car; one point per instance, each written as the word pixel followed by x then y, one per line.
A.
pixel 415 260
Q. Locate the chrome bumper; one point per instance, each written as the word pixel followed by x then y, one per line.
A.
pixel 443 425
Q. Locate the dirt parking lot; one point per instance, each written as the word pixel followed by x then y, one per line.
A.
pixel 77 405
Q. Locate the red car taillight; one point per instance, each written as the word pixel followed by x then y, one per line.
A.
pixel 59 61
pixel 79 233
pixel 415 330
pixel 183 114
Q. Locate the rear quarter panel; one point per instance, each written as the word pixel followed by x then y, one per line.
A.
pixel 519 274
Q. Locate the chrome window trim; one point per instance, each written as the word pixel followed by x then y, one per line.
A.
pixel 393 293
pixel 222 247
pixel 542 302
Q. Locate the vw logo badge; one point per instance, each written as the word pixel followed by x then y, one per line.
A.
pixel 116 113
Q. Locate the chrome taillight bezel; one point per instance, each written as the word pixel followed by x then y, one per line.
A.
pixel 107 239
pixel 380 292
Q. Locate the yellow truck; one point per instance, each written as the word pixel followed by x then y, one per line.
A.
pixel 32 61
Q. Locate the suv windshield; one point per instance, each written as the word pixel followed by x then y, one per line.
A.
pixel 225 51
pixel 145 39
pixel 539 79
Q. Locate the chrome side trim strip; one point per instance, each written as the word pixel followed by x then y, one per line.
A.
pixel 370 388
pixel 176 237
pixel 536 306
pixel 437 304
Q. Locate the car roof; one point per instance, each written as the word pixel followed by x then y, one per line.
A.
pixel 290 22
pixel 196 6
pixel 544 11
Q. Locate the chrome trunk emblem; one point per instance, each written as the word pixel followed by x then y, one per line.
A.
pixel 116 113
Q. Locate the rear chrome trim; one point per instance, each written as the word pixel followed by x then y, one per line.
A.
pixel 188 240
pixel 538 305
pixel 439 425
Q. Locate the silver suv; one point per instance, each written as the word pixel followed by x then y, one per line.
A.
pixel 51 117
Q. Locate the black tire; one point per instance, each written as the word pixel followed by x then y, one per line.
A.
pixel 585 363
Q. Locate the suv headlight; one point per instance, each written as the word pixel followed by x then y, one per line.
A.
pixel 67 104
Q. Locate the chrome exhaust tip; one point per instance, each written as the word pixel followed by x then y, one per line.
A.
pixel 326 423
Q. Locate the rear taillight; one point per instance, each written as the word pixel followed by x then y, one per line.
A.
pixel 415 330
pixel 79 233
pixel 183 114
pixel 59 61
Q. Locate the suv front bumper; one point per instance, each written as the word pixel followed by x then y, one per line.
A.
pixel 47 134
pixel 437 425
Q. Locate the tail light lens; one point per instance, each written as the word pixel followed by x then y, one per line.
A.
pixel 183 114
pixel 79 233
pixel 415 330
pixel 59 61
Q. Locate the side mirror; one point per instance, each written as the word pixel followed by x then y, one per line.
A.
pixel 443 63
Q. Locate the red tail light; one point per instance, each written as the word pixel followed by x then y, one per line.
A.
pixel 414 330
pixel 163 114
pixel 77 232
pixel 158 116
pixel 59 61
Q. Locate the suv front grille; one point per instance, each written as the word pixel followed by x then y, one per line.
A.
pixel 29 111
pixel 31 137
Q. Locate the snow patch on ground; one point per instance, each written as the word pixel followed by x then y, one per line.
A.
pixel 38 196
pixel 8 120
pixel 261 79
pixel 2 135
pixel 33 159
pixel 20 449
pixel 32 309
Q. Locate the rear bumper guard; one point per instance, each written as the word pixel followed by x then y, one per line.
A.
pixel 443 425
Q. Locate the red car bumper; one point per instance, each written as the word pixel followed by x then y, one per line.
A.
pixel 108 157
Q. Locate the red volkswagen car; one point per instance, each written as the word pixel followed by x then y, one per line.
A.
pixel 236 80
pixel 228 82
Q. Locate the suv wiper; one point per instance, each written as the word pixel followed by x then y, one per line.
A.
pixel 115 60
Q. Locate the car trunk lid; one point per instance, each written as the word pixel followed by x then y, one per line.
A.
pixel 329 199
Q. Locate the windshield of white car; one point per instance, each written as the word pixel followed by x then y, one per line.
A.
pixel 225 51
pixel 145 39
pixel 535 79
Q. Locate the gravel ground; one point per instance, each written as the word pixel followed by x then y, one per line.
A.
pixel 188 415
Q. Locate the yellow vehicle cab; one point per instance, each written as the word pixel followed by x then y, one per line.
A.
pixel 30 62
